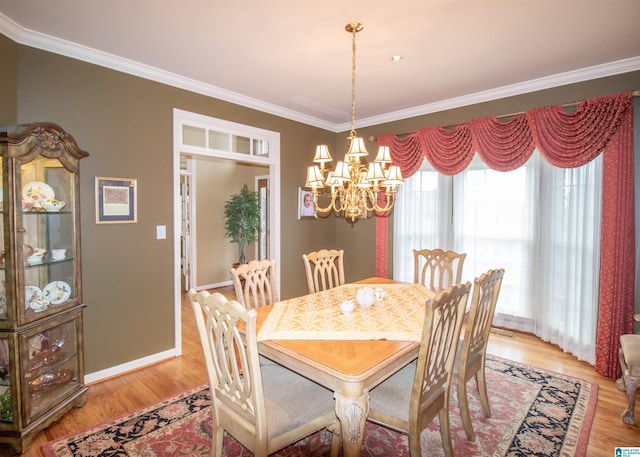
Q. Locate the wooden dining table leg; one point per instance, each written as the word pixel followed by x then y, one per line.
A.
pixel 352 408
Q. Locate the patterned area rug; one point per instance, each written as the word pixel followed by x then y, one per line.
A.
pixel 534 413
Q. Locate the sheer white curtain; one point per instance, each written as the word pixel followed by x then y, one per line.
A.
pixel 540 223
pixel 422 218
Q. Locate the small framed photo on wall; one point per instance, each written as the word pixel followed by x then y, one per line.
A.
pixel 306 208
pixel 116 200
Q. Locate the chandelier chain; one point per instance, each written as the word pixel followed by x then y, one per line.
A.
pixel 352 134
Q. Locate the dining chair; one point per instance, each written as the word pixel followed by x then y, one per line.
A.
pixel 411 398
pixel 265 408
pixel 324 269
pixel 255 283
pixel 436 268
pixel 629 355
pixel 472 350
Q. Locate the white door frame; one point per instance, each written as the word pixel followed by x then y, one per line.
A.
pixel 187 252
pixel 182 118
pixel 257 179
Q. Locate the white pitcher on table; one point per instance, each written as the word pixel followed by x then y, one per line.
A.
pixel 365 296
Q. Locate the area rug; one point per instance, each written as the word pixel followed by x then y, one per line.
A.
pixel 534 413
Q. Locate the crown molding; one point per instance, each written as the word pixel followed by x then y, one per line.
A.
pixel 548 82
pixel 10 28
pixel 83 53
pixel 66 48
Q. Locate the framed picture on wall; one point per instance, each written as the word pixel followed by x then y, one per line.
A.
pixel 116 200
pixel 306 209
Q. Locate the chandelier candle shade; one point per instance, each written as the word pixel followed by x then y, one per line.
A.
pixel 355 189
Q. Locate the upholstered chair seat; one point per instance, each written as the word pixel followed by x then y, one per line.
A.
pixel 280 386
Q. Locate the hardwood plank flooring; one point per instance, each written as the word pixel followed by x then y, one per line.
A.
pixel 123 394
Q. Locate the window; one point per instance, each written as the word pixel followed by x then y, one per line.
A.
pixel 540 223
pixel 237 142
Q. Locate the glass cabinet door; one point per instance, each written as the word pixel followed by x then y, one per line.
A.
pixel 46 226
pixel 51 367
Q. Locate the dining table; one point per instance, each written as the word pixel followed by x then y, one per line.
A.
pixel 346 353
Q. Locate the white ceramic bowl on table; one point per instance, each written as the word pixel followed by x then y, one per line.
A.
pixel 346 307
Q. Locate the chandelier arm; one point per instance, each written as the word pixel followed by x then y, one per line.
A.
pixel 340 201
pixel 369 195
pixel 319 208
pixel 390 201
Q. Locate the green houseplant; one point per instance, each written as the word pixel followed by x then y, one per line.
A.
pixel 242 219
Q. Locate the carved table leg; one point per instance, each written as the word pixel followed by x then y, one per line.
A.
pixel 632 383
pixel 352 408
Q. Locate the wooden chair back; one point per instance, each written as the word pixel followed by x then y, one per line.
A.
pixel 437 269
pixel 473 348
pixel 255 283
pixel 324 269
pixel 443 322
pixel 298 407
pixel 232 365
pixel 410 399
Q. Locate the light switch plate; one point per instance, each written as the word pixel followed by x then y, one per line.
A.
pixel 161 232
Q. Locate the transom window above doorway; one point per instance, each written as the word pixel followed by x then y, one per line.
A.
pixel 224 141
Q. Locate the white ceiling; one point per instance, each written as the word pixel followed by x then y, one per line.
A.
pixel 293 57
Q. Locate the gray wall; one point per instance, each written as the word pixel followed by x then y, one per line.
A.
pixel 8 81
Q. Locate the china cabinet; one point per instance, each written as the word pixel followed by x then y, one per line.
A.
pixel 41 307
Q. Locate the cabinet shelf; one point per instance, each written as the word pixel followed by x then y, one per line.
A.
pixel 42 212
pixel 46 262
pixel 51 362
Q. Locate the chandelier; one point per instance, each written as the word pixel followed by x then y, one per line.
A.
pixel 354 189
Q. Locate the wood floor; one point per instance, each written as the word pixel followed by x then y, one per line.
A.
pixel 111 398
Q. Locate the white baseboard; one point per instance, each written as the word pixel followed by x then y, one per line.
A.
pixel 214 285
pixel 118 370
pixel 129 366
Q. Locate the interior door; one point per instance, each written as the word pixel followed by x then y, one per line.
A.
pixel 263 233
pixel 185 232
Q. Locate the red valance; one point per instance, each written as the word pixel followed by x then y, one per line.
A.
pixel 503 146
pixel 565 140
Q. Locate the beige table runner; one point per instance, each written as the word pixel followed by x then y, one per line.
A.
pixel 399 317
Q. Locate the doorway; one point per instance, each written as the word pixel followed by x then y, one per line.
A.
pixel 211 254
pixel 203 137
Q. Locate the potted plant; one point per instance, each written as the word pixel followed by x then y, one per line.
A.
pixel 242 219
